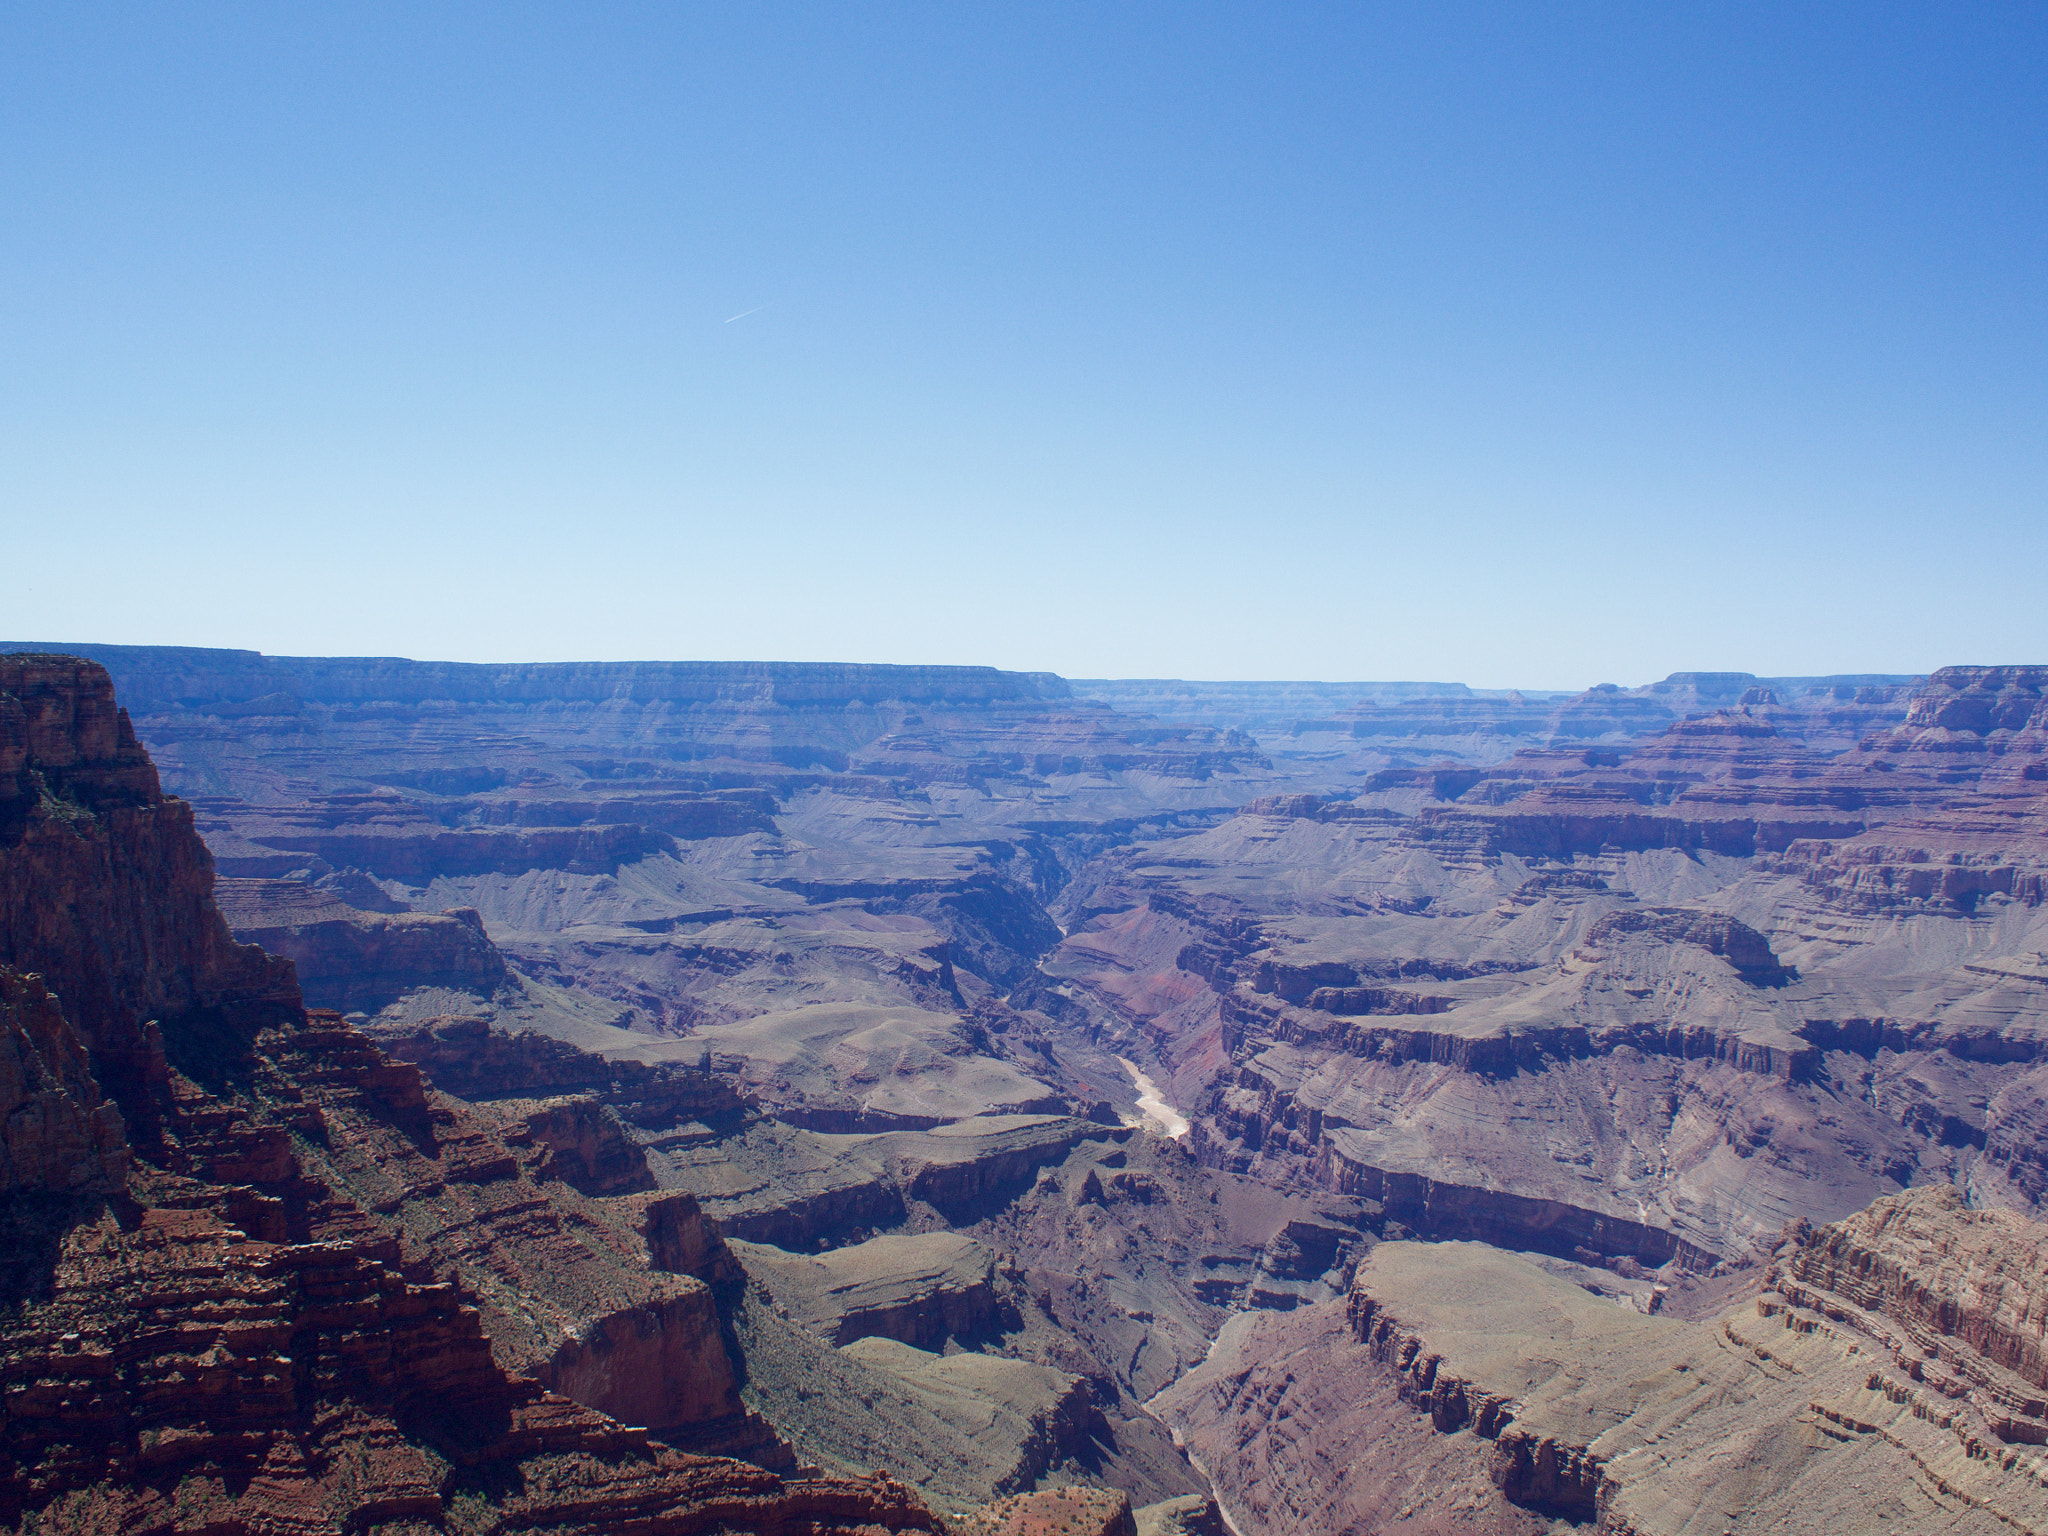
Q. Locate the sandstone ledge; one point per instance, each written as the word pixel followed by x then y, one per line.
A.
pixel 1808 1408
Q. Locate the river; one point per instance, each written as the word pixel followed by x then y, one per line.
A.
pixel 1171 1122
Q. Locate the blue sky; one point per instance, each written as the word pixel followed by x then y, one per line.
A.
pixel 1537 345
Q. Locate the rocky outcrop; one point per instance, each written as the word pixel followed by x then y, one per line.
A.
pixel 1304 1431
pixel 466 1057
pixel 105 891
pixel 1899 1349
pixel 1746 950
pixel 975 1165
pixel 1974 709
pixel 1528 1466
pixel 683 1241
pixel 1447 1209
pixel 563 1285
pixel 353 960
pixel 1963 784
pixel 1192 1515
pixel 794 1190
pixel 919 1289
pixel 1958 1296
pixel 318 1382
pixel 1054 1512
pixel 58 1136
pixel 1897 874
pixel 801 1219
pixel 298 1307
pixel 661 1364
pixel 589 1147
pixel 1249 1019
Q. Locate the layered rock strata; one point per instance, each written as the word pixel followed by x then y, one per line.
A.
pixel 353 960
pixel 1892 1364
pixel 920 1289
pixel 1611 1003
pixel 1889 1371
pixel 58 1135
pixel 244 1320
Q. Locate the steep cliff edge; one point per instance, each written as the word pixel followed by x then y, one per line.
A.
pixel 1650 1002
pixel 238 1316
pixel 1889 1370
pixel 352 960
pixel 1887 1377
pixel 58 1136
pixel 106 890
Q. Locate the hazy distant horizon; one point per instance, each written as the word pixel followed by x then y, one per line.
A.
pixel 1078 680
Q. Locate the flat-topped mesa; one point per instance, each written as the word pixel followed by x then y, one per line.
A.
pixel 1746 951
pixel 1901 1346
pixel 349 959
pixel 468 1058
pixel 919 1289
pixel 155 678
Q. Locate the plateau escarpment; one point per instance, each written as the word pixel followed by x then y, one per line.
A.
pixel 680 847
pixel 1326 733
pixel 749 1043
pixel 1884 1369
pixel 1611 1005
pixel 260 1276
pixel 355 960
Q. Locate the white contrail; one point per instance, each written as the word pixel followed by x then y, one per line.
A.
pixel 744 313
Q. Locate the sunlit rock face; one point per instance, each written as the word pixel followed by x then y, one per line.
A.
pixel 726 1032
pixel 242 1237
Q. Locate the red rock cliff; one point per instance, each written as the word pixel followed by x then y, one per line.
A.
pixel 218 1333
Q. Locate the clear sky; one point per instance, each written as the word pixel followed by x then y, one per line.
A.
pixel 1531 345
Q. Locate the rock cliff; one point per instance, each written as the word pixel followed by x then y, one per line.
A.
pixel 353 960
pixel 290 1300
pixel 1647 1003
pixel 58 1135
pixel 895 978
pixel 1887 1372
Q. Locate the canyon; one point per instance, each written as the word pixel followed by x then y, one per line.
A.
pixel 696 1096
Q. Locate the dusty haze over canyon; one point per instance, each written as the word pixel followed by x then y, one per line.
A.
pixel 682 1097
pixel 1384 868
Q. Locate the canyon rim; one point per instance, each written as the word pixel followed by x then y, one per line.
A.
pixel 695 1097
pixel 1132 988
